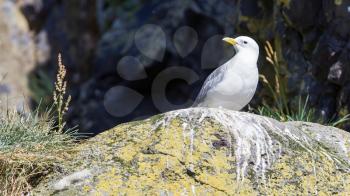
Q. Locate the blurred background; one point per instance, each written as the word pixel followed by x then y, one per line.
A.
pixel 131 59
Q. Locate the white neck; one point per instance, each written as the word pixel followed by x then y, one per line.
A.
pixel 246 57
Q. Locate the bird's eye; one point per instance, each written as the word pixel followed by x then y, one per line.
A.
pixel 245 42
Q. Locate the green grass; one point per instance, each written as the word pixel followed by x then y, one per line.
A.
pixel 301 113
pixel 280 107
pixel 26 131
pixel 29 149
pixel 33 144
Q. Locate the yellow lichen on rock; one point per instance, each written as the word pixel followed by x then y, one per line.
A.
pixel 167 155
pixel 307 176
pixel 166 164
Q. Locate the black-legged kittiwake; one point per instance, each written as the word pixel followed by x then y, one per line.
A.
pixel 233 84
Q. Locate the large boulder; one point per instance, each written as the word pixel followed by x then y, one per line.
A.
pixel 17 56
pixel 200 151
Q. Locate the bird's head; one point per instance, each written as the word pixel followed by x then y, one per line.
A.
pixel 243 43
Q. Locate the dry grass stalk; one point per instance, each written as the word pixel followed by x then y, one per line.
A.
pixel 59 95
pixel 278 90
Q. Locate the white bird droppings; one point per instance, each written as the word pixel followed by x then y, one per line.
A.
pixel 251 134
pixel 67 181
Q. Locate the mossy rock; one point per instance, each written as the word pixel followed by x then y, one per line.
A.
pixel 201 151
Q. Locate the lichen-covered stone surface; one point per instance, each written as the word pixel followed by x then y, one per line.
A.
pixel 201 151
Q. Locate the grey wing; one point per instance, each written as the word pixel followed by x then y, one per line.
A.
pixel 212 80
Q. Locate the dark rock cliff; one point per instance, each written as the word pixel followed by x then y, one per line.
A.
pixel 117 52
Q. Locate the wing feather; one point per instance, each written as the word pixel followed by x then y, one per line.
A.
pixel 212 80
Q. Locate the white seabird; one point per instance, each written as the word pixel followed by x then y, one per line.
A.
pixel 233 84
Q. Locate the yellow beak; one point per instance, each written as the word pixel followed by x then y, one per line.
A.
pixel 230 40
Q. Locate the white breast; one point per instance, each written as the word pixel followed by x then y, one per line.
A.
pixel 232 85
pixel 234 92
